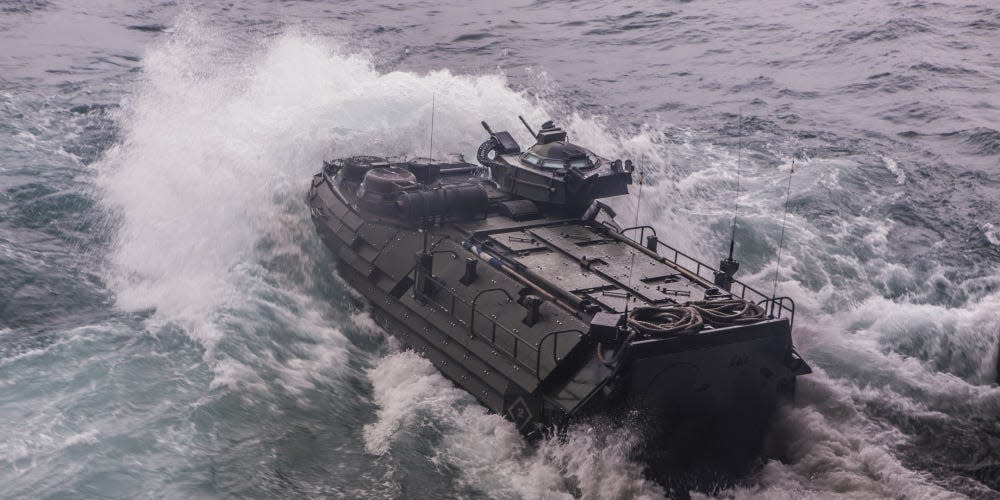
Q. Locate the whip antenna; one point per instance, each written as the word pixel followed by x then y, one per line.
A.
pixel 638 203
pixel 638 206
pixel 532 132
pixel 736 201
pixel 430 155
pixel 728 266
pixel 781 239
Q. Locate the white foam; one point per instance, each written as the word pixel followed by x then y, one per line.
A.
pixel 959 341
pixel 828 455
pixel 924 361
pixel 487 450
pixel 86 437
pixel 893 167
pixel 214 154
pixel 991 233
pixel 206 188
pixel 366 322
pixel 206 185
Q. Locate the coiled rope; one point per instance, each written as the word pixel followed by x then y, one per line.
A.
pixel 665 320
pixel 691 317
pixel 719 313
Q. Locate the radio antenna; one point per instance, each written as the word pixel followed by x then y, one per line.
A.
pixel 638 203
pixel 736 201
pixel 527 126
pixel 638 206
pixel 430 155
pixel 728 266
pixel 781 239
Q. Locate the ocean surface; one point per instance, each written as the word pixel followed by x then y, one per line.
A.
pixel 172 327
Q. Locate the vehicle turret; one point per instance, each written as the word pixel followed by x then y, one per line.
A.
pixel 554 171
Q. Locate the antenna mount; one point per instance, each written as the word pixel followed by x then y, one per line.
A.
pixel 729 266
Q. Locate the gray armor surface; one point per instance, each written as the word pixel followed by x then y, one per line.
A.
pixel 514 280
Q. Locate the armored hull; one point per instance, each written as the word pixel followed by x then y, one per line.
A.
pixel 548 312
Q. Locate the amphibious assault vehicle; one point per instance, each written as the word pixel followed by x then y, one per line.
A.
pixel 514 279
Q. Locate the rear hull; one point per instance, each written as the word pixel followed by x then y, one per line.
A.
pixel 696 398
pixel 704 399
pixel 695 403
pixel 710 397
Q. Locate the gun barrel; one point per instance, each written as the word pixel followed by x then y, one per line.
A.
pixel 527 126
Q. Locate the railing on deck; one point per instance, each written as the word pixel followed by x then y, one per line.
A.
pixel 555 345
pixel 444 299
pixel 776 307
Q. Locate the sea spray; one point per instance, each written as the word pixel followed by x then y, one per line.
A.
pixel 212 234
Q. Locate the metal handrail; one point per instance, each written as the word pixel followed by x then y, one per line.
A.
pixel 472 311
pixel 555 348
pixel 778 306
pixel 473 333
pixel 451 312
pixel 642 230
pixel 779 303
pixel 518 340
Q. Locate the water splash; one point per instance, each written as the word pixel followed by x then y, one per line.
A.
pixel 212 234
pixel 489 453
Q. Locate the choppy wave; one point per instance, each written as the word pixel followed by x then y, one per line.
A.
pixel 417 403
pixel 207 185
pixel 241 365
pixel 985 140
pixel 214 239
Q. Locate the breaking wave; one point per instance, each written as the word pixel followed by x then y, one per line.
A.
pixel 213 239
pixel 415 401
